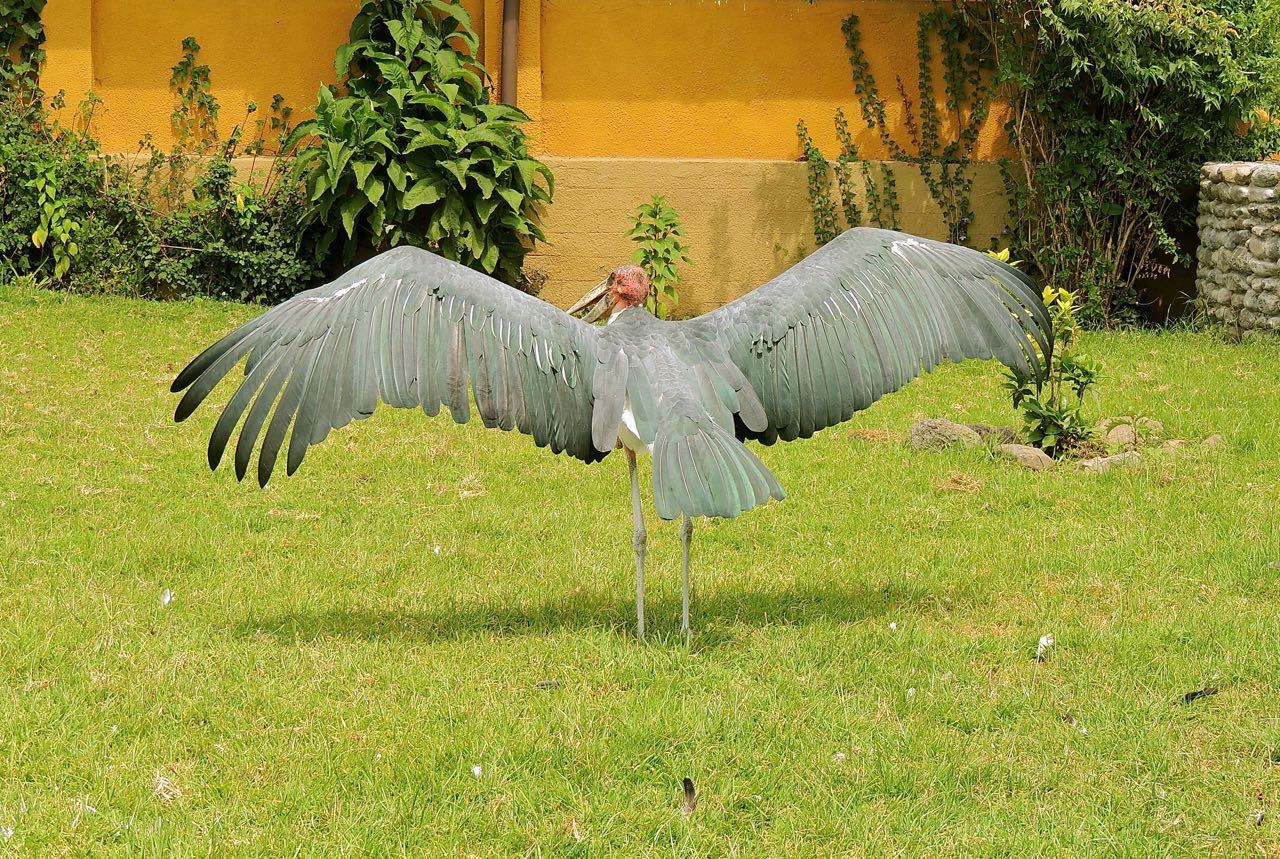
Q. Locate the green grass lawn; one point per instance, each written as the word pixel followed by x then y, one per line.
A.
pixel 343 648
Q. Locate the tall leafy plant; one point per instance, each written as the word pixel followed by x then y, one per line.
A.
pixel 1054 412
pixel 826 225
pixel 411 151
pixel 1114 108
pixel 57 228
pixel 944 161
pixel 656 229
pixel 195 116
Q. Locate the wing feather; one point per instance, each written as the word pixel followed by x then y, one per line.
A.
pixel 235 409
pixel 863 316
pixel 413 330
pixel 315 390
pixel 286 410
pixel 258 415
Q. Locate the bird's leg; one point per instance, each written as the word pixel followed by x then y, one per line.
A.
pixel 686 537
pixel 639 540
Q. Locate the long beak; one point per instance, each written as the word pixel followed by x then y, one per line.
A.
pixel 599 298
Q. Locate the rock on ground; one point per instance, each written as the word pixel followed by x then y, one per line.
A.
pixel 1106 424
pixel 1126 432
pixel 1003 435
pixel 1106 463
pixel 938 433
pixel 1122 437
pixel 1027 456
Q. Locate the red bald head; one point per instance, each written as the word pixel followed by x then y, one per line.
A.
pixel 629 284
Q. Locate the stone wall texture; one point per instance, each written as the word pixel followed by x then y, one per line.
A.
pixel 1238 271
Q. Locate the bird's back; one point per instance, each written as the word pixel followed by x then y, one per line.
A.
pixel 685 397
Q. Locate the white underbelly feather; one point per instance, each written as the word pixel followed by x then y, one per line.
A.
pixel 629 435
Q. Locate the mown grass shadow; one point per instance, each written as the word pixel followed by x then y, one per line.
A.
pixel 717 618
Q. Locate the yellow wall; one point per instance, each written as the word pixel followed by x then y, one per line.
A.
pixel 636 78
pixel 693 99
pixel 716 79
pixel 124 51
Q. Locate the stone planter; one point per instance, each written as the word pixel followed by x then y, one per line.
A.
pixel 1238 271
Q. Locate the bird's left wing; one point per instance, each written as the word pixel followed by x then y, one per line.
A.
pixel 865 314
pixel 412 329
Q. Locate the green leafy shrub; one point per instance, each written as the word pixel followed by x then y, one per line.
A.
pixel 414 153
pixel 1053 412
pixel 231 240
pixel 164 224
pixel 1114 108
pixel 21 42
pixel 662 251
pixel 51 183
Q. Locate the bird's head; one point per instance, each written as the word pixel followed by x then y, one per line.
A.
pixel 626 286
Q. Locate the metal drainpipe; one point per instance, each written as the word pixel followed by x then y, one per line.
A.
pixel 510 37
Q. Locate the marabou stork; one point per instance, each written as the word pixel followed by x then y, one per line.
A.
pixel 857 319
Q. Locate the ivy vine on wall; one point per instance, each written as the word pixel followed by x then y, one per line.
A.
pixel 21 41
pixel 945 168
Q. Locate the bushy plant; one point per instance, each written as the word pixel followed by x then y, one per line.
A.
pixel 162 224
pixel 1114 108
pixel 411 151
pixel 21 42
pixel 1053 412
pixel 656 229
pixel 51 183
pixel 230 240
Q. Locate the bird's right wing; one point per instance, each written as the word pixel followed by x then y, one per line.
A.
pixel 412 329
pixel 865 314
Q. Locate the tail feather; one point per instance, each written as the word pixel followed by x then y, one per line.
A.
pixel 701 469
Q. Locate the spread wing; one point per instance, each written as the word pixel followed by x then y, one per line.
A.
pixel 411 329
pixel 865 314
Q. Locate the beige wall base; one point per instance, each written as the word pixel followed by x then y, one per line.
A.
pixel 744 221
